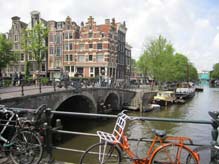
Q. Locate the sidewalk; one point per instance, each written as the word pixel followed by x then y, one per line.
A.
pixel 11 92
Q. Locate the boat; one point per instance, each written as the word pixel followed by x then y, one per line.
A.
pixel 185 90
pixel 164 98
pixel 151 107
pixel 129 107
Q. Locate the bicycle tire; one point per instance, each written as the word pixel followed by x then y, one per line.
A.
pixel 205 154
pixel 91 155
pixel 26 148
pixel 169 153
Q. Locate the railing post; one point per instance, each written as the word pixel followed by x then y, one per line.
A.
pixel 54 84
pixel 214 134
pixel 48 135
pixel 39 84
pixel 22 88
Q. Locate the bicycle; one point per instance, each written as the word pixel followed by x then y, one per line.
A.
pixel 25 146
pixel 111 147
pixel 210 153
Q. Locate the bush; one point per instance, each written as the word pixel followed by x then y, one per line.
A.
pixel 45 81
pixel 7 83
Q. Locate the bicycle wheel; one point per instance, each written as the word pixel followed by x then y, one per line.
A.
pixel 112 154
pixel 173 154
pixel 26 148
pixel 205 154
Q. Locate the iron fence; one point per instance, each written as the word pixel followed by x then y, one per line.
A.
pixel 51 130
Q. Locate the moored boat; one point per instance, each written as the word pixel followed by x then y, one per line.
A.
pixel 185 90
pixel 151 107
pixel 164 98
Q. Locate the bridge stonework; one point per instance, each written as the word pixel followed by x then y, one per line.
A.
pixel 74 99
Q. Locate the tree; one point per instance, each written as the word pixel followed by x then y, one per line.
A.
pixel 25 47
pixel 157 60
pixel 160 61
pixel 36 39
pixel 6 53
pixel 215 72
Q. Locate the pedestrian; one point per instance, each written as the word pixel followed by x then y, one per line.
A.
pixel 14 78
pixel 34 78
pixel 19 79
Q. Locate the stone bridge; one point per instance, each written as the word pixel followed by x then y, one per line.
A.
pixel 89 100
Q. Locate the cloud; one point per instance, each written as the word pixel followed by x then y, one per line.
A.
pixel 190 25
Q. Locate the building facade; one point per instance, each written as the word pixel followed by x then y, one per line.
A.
pixel 89 50
pixel 15 36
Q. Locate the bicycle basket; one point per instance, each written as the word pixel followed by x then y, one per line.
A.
pixel 117 133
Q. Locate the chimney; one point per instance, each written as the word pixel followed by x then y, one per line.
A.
pixel 107 21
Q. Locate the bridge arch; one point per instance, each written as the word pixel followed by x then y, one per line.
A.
pixel 113 99
pixel 78 103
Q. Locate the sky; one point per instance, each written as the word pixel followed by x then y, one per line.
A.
pixel 191 26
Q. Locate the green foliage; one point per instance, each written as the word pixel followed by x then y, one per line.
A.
pixel 7 83
pixel 160 62
pixel 215 72
pixel 45 80
pixel 6 54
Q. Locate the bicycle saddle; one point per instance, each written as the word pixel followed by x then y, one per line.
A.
pixel 160 133
pixel 214 114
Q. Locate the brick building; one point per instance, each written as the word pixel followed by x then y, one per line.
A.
pixel 89 50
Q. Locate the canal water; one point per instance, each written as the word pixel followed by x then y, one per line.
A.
pixel 195 109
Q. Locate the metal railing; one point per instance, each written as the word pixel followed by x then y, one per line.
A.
pixel 54 86
pixel 51 130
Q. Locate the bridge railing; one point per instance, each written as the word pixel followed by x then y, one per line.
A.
pixel 50 130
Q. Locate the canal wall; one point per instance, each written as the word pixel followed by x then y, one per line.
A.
pixel 142 99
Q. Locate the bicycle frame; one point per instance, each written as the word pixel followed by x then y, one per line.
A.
pixel 6 125
pixel 124 145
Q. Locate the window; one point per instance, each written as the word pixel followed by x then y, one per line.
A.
pixel 72 68
pixel 66 58
pixel 68 46
pixel 43 67
pixel 51 38
pixel 16 46
pixel 99 45
pixel 90 57
pixel 90 34
pixel 15 37
pixel 59 51
pixel 51 50
pixel 91 69
pixel 91 45
pixel 99 58
pixel 70 57
pixel 59 25
pixel 81 58
pixel 22 57
pixel 30 57
pixel 58 38
pixel 67 68
pixel 68 35
pixel 81 46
